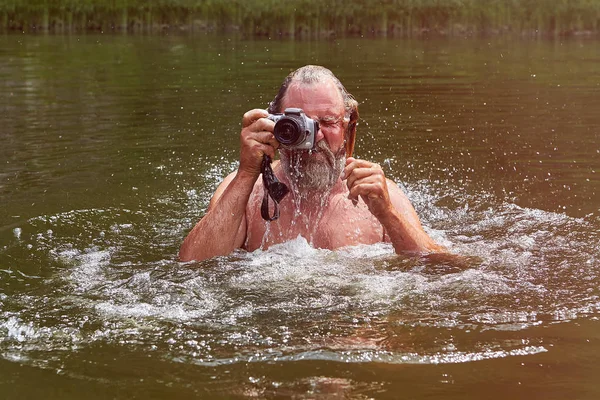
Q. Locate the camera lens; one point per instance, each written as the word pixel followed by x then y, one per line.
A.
pixel 288 132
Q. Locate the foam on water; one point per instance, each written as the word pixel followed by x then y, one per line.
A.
pixel 106 276
pixel 17 330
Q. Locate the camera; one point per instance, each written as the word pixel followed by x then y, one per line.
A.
pixel 294 130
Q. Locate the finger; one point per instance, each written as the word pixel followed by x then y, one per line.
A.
pixel 361 173
pixel 367 190
pixel 263 124
pixel 353 163
pixel 360 163
pixel 252 116
pixel 266 138
pixel 373 182
pixel 350 166
pixel 371 179
pixel 260 148
pixel 254 142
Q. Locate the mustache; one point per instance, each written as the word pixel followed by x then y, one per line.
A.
pixel 321 147
pixel 316 169
pixel 331 157
pixel 319 155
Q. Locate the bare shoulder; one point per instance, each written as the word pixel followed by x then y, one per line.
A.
pixel 227 181
pixel 221 188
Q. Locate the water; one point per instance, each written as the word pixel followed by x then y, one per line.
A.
pixel 112 147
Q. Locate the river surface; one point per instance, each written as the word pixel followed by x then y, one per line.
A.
pixel 111 147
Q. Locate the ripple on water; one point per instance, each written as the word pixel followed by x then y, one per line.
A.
pixel 84 278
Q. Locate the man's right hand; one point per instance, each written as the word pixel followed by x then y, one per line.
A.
pixel 256 139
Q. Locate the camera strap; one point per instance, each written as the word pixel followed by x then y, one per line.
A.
pixel 273 189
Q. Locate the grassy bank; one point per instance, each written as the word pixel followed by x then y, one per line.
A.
pixel 311 18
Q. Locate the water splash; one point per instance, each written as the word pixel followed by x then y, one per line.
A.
pixel 307 213
pixel 101 277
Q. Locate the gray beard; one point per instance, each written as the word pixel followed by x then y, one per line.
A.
pixel 313 172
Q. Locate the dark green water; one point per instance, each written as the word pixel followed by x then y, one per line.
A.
pixel 111 149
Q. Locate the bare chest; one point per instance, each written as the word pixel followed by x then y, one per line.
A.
pixel 337 224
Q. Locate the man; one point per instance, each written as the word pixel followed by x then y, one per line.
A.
pixel 326 183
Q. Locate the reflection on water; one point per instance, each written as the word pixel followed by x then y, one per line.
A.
pixel 107 164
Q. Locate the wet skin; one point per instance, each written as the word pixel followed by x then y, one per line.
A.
pixel 362 207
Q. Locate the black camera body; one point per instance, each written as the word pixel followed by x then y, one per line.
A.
pixel 294 130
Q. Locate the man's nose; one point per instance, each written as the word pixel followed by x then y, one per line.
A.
pixel 320 135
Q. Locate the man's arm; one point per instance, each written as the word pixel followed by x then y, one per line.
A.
pixel 223 228
pixel 389 205
pixel 405 219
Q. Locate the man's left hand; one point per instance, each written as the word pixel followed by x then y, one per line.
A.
pixel 367 180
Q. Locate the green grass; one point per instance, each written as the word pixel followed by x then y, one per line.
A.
pixel 306 17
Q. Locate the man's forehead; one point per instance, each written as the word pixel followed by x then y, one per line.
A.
pixel 316 99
